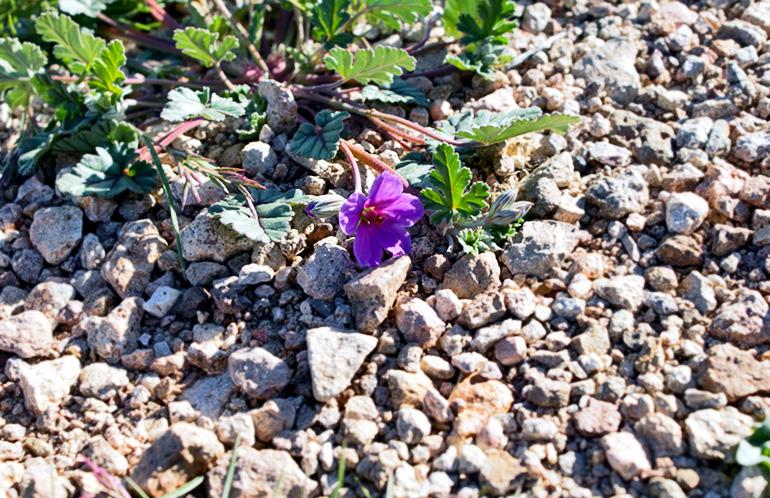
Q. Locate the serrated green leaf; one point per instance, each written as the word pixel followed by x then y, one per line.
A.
pixel 77 47
pixel 272 222
pixel 396 13
pixel 329 18
pixel 451 193
pixel 483 60
pixel 453 9
pixel 89 8
pixel 68 106
pixel 109 172
pixel 398 92
pixel 378 65
pixel 102 134
pixel 204 45
pixel 19 63
pixel 107 75
pixel 32 149
pixel 490 21
pixel 322 140
pixel 184 103
pixel 491 128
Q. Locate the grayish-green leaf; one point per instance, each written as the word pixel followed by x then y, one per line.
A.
pixel 89 8
pixel 77 47
pixel 184 103
pixel 489 128
pixel 19 63
pixel 322 140
pixel 270 222
pixel 398 92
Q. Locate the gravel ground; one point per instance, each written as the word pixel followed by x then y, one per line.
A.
pixel 618 346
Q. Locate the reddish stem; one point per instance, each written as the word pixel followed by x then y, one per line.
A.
pixel 373 162
pixel 392 130
pixel 168 139
pixel 160 14
pixel 414 126
pixel 353 166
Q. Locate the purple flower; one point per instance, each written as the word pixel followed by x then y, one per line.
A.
pixel 379 220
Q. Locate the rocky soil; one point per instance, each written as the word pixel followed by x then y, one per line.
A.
pixel 618 346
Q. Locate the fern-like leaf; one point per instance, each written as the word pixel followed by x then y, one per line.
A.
pixel 378 65
pixel 184 103
pixel 106 69
pixel 397 13
pixel 204 45
pixel 77 47
pixel 19 63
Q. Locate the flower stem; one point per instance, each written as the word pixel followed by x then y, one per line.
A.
pixel 416 127
pixel 353 166
pixel 242 34
pixel 160 14
pixel 372 161
pixel 179 130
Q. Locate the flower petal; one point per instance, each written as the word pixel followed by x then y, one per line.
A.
pixel 366 248
pixel 395 239
pixel 350 212
pixel 385 189
pixel 406 210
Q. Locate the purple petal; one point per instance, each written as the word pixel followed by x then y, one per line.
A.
pixel 385 189
pixel 405 210
pixel 350 212
pixel 396 239
pixel 367 250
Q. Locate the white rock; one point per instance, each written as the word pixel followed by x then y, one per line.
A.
pixel 46 384
pixel 685 212
pixel 334 357
pixel 161 301
pixel 625 454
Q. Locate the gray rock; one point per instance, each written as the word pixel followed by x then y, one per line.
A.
pixel 714 434
pixel 334 357
pixel 259 159
pixel 483 309
pixel 49 298
pixel 743 32
pixel 473 274
pixel 326 271
pixel 209 395
pixel 694 133
pixel 116 334
pixel 612 65
pixel 373 292
pixel 257 373
pixel 625 291
pixel 254 274
pixel 182 453
pixel 662 433
pixel 609 155
pixel 56 231
pixel 205 272
pixel 758 13
pixel 597 418
pixel 28 335
pixel 617 197
pixel 103 381
pixel 281 107
pixel 273 417
pixel 261 473
pixel 412 425
pixel 752 146
pixel 129 265
pixel 540 247
pixel 11 301
pixel 698 290
pixel 750 482
pixel 625 454
pixel 650 141
pixel 486 337
pixel 685 212
pixel 536 17
pixel 162 300
pixel 548 393
pixel 206 238
pixel 91 252
pixel 418 322
pixel 46 384
pixel 744 321
pixel 41 480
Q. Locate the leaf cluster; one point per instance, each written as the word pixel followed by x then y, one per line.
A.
pixel 755 449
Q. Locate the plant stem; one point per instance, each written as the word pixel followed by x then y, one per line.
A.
pixel 392 130
pixel 372 161
pixel 415 49
pixel 160 14
pixel 353 166
pixel 179 130
pixel 223 77
pixel 242 34
pixel 416 127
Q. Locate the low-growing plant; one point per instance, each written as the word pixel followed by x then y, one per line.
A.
pixel 754 450
pixel 219 62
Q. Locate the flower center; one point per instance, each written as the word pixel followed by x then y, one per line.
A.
pixel 370 216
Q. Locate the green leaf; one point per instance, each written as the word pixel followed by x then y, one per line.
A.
pixel 398 92
pixel 490 128
pixel 329 18
pixel 322 140
pixel 231 469
pixel 87 139
pixel 396 13
pixel 453 9
pixel 272 221
pixel 107 75
pixel 184 103
pixel 89 8
pixel 204 45
pixel 449 195
pixel 490 22
pixel 19 63
pixel 68 106
pixel 482 60
pixel 378 65
pixel 31 150
pixel 77 47
pixel 109 172
pixel 414 169
pixel 185 488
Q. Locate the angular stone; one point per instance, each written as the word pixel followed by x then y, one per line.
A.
pixel 46 384
pixel 625 454
pixel 334 357
pixel 28 335
pixel 618 196
pixel 209 395
pixel 116 334
pixel 258 373
pixel 128 266
pixel 744 321
pixel 56 231
pixel 612 65
pixel 680 250
pixel 540 247
pixel 261 473
pixel 662 433
pixel 685 212
pixel 714 434
pixel 418 322
pixel 182 453
pixel 103 381
pixel 485 308
pixel 625 291
pixel 326 271
pixel 205 238
pixel 734 372
pixel 597 418
pixel 373 292
pixel 473 274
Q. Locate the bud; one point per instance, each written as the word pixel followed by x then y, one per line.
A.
pixel 324 206
pixel 506 210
